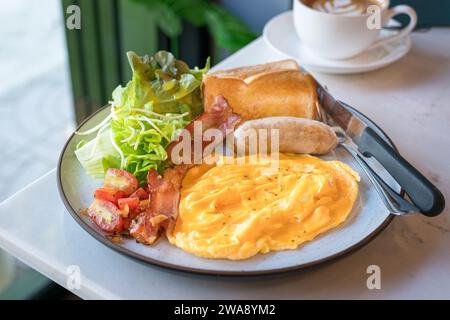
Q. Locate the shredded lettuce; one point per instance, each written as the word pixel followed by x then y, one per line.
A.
pixel 163 96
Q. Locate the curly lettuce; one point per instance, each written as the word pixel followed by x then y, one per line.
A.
pixel 163 96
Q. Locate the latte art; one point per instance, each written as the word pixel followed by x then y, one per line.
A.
pixel 342 7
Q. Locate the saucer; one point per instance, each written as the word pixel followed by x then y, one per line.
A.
pixel 279 33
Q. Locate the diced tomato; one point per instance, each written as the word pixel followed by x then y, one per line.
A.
pixel 106 215
pixel 140 193
pixel 127 223
pixel 122 180
pixel 109 194
pixel 133 203
pixel 144 204
pixel 132 213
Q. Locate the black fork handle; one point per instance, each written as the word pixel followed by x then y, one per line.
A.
pixel 420 190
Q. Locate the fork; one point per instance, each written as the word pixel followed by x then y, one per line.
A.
pixel 394 202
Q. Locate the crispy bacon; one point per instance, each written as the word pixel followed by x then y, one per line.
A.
pixel 164 194
pixel 219 116
pixel 164 191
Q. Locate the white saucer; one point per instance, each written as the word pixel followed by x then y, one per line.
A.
pixel 279 33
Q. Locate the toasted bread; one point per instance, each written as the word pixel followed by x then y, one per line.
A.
pixel 266 90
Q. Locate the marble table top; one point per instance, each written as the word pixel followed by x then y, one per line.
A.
pixel 409 100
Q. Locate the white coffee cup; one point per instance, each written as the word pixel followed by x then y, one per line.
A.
pixel 335 36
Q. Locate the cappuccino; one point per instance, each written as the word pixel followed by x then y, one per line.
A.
pixel 342 7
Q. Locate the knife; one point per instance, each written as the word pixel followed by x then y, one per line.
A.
pixel 425 196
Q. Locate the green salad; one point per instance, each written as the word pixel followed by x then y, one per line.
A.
pixel 163 96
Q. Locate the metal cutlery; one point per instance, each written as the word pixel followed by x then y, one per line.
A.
pixel 362 142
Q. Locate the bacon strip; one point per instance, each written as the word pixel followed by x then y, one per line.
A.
pixel 164 190
pixel 219 116
pixel 164 194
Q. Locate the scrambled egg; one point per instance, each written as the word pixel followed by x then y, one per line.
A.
pixel 236 211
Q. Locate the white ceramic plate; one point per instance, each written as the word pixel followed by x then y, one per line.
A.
pixel 279 33
pixel 368 218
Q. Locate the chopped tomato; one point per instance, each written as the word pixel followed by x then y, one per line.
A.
pixel 144 204
pixel 109 194
pixel 122 180
pixel 134 214
pixel 140 193
pixel 125 211
pixel 106 215
pixel 127 223
pixel 133 203
pixel 133 207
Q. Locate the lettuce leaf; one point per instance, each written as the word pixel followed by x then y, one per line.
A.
pixel 91 153
pixel 163 96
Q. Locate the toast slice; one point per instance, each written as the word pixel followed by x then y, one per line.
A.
pixel 266 90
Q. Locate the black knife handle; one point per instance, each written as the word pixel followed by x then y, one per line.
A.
pixel 420 190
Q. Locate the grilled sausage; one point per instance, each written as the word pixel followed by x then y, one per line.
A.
pixel 296 135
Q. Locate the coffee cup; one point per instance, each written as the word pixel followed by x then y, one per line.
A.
pixel 334 32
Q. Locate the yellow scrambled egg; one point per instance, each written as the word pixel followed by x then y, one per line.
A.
pixel 236 211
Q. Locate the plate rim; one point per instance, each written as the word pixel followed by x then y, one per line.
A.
pixel 158 263
pixel 330 69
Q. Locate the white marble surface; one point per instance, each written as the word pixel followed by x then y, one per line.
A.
pixel 36 110
pixel 409 100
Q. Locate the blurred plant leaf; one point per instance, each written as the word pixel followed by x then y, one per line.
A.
pixel 165 16
pixel 228 31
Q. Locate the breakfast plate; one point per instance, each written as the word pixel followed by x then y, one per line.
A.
pixel 368 218
pixel 279 33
